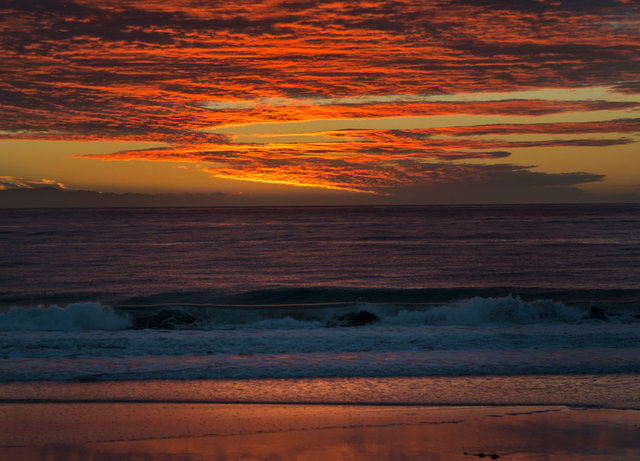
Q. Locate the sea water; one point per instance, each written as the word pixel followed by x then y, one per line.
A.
pixel 107 295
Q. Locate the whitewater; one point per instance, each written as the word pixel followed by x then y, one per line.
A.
pixel 506 336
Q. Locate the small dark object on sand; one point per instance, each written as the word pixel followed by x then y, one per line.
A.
pixel 353 319
pixel 598 313
pixel 483 455
pixel 166 319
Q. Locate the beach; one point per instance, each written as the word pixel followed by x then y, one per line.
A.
pixel 174 420
pixel 177 431
pixel 310 230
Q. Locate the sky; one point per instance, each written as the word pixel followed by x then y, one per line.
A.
pixel 296 101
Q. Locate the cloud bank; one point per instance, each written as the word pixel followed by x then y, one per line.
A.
pixel 174 71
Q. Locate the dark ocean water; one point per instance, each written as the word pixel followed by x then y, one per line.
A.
pixel 263 292
pixel 116 254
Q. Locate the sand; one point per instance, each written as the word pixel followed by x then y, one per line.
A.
pixel 32 429
pixel 129 431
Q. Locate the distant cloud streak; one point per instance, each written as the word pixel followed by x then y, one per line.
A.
pixel 9 182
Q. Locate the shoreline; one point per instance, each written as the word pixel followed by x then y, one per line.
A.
pixel 133 420
pixel 607 391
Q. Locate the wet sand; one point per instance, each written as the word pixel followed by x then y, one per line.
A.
pixel 179 431
pixel 323 419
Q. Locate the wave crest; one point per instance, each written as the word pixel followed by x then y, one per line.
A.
pixel 478 311
pixel 74 317
pixel 481 311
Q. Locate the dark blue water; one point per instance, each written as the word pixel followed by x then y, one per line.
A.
pixel 215 293
pixel 197 255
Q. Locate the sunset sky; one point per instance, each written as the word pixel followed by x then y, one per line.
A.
pixel 444 101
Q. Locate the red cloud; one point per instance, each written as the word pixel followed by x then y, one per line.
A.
pixel 145 71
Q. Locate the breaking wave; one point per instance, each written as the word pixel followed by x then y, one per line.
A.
pixel 74 317
pixel 477 311
pixel 480 311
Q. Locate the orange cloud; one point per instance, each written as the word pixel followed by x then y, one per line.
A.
pixel 161 71
pixel 370 163
pixel 10 182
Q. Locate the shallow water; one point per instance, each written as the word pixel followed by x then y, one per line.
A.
pixel 613 391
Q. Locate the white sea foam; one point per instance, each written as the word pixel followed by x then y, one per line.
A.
pixel 75 317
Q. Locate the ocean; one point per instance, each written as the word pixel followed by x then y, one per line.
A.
pixel 300 293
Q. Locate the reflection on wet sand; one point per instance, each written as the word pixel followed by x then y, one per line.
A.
pixel 129 431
